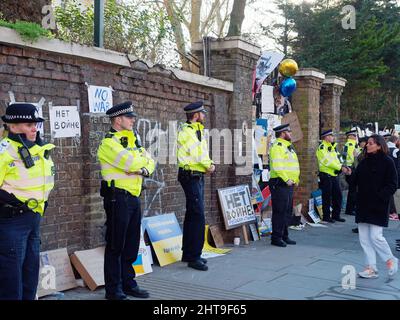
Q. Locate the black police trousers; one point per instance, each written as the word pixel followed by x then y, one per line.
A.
pixel 123 250
pixel 351 195
pixel 331 196
pixel 194 224
pixel 282 208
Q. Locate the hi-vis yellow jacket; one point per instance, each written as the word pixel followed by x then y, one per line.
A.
pixel 193 151
pixel 27 183
pixel 348 152
pixel 283 161
pixel 120 159
pixel 328 161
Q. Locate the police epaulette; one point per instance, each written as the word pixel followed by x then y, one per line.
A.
pixel 109 135
pixel 279 144
pixel 4 145
pixel 321 146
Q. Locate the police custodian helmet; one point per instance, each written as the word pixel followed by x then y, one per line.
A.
pixel 21 113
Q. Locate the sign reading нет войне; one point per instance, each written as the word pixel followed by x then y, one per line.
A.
pixel 236 206
pixel 65 122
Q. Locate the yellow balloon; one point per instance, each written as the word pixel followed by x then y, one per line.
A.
pixel 288 67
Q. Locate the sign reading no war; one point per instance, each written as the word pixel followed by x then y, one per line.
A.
pixel 100 99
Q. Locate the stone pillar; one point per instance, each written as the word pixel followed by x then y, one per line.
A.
pixel 331 92
pixel 231 59
pixel 306 103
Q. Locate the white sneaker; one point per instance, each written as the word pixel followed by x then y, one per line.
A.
pixel 368 273
pixel 392 265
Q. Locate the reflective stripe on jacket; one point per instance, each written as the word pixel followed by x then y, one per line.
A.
pixel 328 161
pixel 193 153
pixel 283 161
pixel 26 183
pixel 121 163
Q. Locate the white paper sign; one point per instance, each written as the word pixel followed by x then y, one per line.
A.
pixel 65 122
pixel 267 99
pixel 265 175
pixel 274 120
pixel 100 99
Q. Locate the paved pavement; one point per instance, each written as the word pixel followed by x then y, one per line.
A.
pixel 310 270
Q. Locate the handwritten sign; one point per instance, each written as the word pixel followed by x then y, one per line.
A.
pixel 236 206
pixel 100 99
pixel 65 122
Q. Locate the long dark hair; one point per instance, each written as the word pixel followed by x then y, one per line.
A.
pixel 380 141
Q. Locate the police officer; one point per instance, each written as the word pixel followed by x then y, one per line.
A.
pixel 194 162
pixel 349 152
pixel 329 168
pixel 285 174
pixel 123 163
pixel 26 179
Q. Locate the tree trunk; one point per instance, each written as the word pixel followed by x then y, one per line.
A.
pixel 178 33
pixel 31 11
pixel 194 27
pixel 237 17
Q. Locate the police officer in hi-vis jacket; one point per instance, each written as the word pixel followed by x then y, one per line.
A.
pixel 285 174
pixel 26 180
pixel 123 163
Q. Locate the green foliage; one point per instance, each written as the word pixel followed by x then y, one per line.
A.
pixel 138 29
pixel 28 31
pixel 367 57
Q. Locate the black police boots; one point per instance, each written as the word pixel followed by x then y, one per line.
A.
pixel 198 265
pixel 116 296
pixel 136 292
pixel 289 241
pixel 201 259
pixel 278 243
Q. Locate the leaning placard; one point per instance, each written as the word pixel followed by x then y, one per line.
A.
pixel 236 206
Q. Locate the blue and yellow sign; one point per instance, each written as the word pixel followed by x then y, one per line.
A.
pixel 166 237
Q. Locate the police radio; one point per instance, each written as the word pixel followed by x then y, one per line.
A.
pixel 26 157
pixel 25 154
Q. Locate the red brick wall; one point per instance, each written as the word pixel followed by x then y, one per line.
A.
pixel 75 216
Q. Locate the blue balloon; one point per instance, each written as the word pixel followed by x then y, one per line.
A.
pixel 287 87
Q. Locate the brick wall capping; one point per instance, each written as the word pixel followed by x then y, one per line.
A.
pixel 335 80
pixel 11 37
pixel 235 42
pixel 311 72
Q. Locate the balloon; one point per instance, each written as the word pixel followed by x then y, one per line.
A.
pixel 287 87
pixel 288 68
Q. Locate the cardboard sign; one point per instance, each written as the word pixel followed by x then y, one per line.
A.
pixel 317 196
pixel 90 265
pixel 216 234
pixel 311 213
pixel 166 237
pixel 142 265
pixel 100 99
pixel 256 195
pixel 292 119
pixel 65 122
pixel 55 272
pixel 236 206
